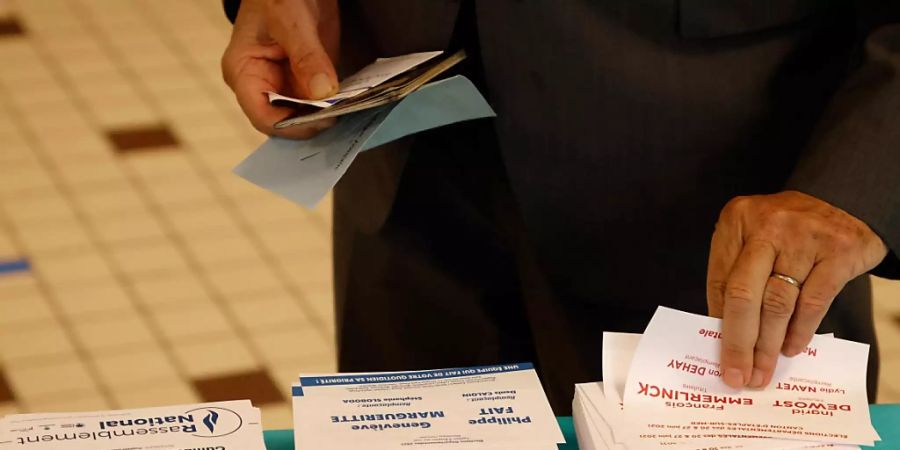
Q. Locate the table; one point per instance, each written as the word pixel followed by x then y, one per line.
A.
pixel 886 419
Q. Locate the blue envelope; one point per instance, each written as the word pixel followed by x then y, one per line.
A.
pixel 304 171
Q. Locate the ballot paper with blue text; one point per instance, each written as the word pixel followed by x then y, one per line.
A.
pixel 496 407
pixel 233 425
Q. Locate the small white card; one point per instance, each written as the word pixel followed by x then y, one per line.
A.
pixel 499 406
pixel 231 425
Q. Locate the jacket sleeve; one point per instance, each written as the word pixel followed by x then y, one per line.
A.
pixel 853 160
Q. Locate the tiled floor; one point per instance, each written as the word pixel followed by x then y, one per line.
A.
pixel 135 269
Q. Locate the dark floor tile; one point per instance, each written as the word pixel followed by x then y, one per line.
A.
pixel 6 394
pixel 256 386
pixel 152 137
pixel 10 26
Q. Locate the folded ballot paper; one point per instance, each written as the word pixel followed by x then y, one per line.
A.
pixel 386 108
pixel 663 389
pixel 487 407
pixel 221 425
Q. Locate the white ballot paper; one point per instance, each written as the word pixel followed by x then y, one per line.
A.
pixel 501 406
pixel 303 171
pixel 220 425
pixel 674 386
pixel 378 72
pixel 599 411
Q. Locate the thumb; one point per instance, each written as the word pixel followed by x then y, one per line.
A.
pixel 295 28
pixel 313 73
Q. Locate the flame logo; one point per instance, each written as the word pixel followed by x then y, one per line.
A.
pixel 210 420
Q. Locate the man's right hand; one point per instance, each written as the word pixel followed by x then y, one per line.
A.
pixel 283 46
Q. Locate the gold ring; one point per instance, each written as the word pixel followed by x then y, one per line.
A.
pixel 789 280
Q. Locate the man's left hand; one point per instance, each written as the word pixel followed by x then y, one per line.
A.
pixel 775 265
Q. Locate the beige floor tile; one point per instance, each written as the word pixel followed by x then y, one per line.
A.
pixel 319 298
pixel 14 282
pixel 213 251
pixel 308 268
pixel 127 228
pixel 886 296
pixel 888 332
pixel 140 258
pixel 71 402
pixel 110 83
pixel 215 355
pixel 160 165
pixel 8 248
pixel 142 367
pixel 109 200
pixel 38 206
pixel 100 170
pixel 43 341
pixel 156 394
pixel 301 342
pixel 267 310
pixel 113 334
pixel 23 308
pixel 19 284
pixel 171 289
pixel 189 321
pixel 195 221
pixel 161 80
pixel 293 238
pixel 62 268
pixel 277 417
pixel 66 148
pixel 180 191
pixel 85 300
pixel 269 209
pixel 230 281
pixel 25 177
pixel 65 234
pixel 59 376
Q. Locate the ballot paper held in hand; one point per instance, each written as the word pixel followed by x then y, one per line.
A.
pixel 230 425
pixel 303 171
pixel 663 389
pixel 383 69
pixel 496 407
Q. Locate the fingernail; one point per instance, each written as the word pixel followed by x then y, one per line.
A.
pixel 733 378
pixel 757 379
pixel 320 86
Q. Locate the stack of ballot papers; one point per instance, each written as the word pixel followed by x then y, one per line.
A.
pixel 221 425
pixel 664 389
pixel 487 407
pixel 384 81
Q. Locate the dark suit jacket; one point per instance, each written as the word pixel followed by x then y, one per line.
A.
pixel 644 118
pixel 626 125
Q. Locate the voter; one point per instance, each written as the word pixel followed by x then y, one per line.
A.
pixel 732 157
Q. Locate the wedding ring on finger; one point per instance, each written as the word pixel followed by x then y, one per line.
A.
pixel 788 279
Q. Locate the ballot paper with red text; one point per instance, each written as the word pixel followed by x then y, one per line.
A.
pixel 674 384
pixel 496 407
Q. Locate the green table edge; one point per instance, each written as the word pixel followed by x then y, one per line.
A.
pixel 886 419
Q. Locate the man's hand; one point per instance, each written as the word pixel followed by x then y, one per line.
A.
pixel 792 234
pixel 286 47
